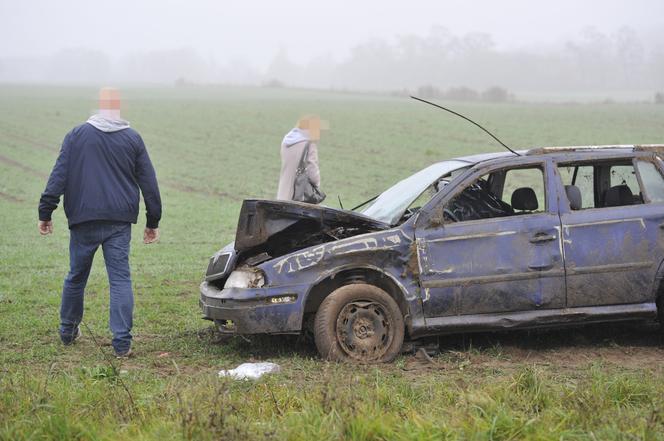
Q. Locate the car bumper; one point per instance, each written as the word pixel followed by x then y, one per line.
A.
pixel 253 310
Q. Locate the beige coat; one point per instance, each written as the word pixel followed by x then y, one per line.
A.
pixel 290 159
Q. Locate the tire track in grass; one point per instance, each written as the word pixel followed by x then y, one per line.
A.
pixel 10 198
pixel 164 182
pixel 194 190
pixel 184 188
pixel 31 142
pixel 25 168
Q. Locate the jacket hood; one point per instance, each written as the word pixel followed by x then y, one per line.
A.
pixel 106 124
pixel 295 136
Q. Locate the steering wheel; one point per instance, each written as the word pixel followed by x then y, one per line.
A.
pixel 448 213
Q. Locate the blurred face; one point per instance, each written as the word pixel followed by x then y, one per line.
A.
pixel 109 102
pixel 312 124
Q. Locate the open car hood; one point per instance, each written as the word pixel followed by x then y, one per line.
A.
pixel 281 227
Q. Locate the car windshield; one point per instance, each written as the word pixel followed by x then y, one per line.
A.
pixel 391 205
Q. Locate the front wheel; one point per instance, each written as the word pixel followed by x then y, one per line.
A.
pixel 360 323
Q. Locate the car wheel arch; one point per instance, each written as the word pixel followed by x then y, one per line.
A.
pixel 363 274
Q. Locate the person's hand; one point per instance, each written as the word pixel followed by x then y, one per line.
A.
pixel 45 227
pixel 150 235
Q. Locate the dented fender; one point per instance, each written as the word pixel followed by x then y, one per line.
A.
pixel 389 252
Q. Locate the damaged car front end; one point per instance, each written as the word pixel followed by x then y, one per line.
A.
pixel 258 283
pixel 288 257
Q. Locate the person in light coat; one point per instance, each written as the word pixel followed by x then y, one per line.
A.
pixel 307 130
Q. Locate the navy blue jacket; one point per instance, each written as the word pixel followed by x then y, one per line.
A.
pixel 99 174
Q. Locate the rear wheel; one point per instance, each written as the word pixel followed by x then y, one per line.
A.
pixel 361 323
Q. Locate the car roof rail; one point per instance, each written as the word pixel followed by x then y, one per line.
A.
pixel 581 148
pixel 655 148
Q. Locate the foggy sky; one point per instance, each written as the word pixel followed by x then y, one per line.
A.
pixel 254 30
pixel 608 48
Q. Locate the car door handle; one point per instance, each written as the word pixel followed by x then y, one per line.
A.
pixel 545 267
pixel 542 237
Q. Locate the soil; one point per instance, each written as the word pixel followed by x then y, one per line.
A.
pixel 635 346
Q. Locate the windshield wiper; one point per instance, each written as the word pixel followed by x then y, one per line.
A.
pixel 365 202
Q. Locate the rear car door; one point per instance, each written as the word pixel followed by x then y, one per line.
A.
pixel 613 230
pixel 485 249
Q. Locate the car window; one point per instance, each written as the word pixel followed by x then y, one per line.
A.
pixel 501 193
pixel 390 205
pixel 583 182
pixel 625 175
pixel 431 191
pixel 600 184
pixel 525 177
pixel 652 180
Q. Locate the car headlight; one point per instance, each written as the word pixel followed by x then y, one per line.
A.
pixel 246 278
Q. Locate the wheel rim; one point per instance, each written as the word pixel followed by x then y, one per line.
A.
pixel 364 330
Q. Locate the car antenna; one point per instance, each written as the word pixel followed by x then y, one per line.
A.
pixel 340 204
pixel 467 119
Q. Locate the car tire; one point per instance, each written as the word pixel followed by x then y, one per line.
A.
pixel 359 323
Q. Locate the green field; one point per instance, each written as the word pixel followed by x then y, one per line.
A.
pixel 211 148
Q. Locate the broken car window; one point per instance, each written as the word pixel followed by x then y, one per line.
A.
pixel 430 192
pixel 581 177
pixel 600 184
pixel 391 205
pixel 499 194
pixel 625 175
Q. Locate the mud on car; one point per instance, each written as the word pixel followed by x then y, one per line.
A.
pixel 545 238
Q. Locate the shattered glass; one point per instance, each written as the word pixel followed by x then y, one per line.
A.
pixel 476 202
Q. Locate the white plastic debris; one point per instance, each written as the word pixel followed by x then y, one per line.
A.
pixel 250 371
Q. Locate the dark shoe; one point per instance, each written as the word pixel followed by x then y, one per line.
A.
pixel 68 340
pixel 123 355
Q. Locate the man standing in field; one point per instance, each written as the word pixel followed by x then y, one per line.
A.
pixel 100 168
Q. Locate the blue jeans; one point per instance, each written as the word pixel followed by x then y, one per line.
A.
pixel 114 238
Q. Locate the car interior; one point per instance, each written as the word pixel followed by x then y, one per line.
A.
pixel 597 184
pixel 520 191
pixel 488 196
pixel 600 184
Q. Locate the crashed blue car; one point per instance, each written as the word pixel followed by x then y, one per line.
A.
pixel 546 237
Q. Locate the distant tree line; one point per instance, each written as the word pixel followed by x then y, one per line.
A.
pixel 493 94
pixel 594 61
pixel 436 64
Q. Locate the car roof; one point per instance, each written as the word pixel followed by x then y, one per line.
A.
pixel 561 151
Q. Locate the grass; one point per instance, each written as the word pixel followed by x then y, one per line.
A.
pixel 212 147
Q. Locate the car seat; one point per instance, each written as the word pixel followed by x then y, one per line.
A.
pixel 524 200
pixel 618 195
pixel 574 197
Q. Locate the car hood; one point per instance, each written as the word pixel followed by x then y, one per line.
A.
pixel 280 227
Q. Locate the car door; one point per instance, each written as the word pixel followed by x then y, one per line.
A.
pixel 613 246
pixel 500 264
